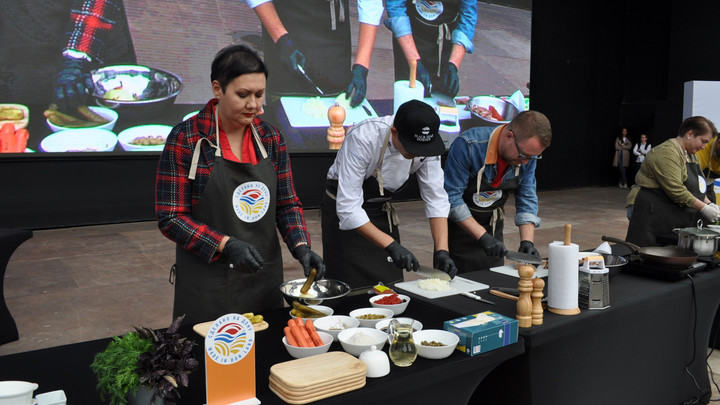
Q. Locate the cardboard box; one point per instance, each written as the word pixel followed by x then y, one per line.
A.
pixel 480 333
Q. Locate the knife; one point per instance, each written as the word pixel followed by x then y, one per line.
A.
pixel 430 272
pixel 523 258
pixel 302 72
pixel 477 297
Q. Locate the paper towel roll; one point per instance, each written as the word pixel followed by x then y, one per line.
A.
pixel 403 93
pixel 562 276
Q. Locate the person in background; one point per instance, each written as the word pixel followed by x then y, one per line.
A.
pixel 483 166
pixel 669 189
pixel 622 156
pixel 436 34
pixel 640 150
pixel 361 239
pixel 313 38
pixel 223 186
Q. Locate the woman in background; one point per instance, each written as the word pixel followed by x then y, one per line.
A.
pixel 640 150
pixel 622 156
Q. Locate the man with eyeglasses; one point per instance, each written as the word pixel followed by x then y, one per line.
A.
pixel 483 166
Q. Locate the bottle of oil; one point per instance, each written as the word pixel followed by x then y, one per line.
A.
pixel 402 350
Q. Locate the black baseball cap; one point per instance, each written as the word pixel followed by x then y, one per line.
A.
pixel 417 125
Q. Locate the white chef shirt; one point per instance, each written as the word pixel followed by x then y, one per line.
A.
pixel 359 156
pixel 369 11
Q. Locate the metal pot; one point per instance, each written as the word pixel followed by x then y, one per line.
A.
pixel 703 241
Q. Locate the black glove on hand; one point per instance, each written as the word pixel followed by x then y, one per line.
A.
pixel 309 259
pixel 290 56
pixel 528 247
pixel 492 246
pixel 72 83
pixel 358 84
pixel 402 257
pixel 424 77
pixel 442 261
pixel 242 255
pixel 450 80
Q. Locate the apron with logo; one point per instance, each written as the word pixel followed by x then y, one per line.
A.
pixel 238 200
pixel 348 256
pixel 655 216
pixel 486 206
pixel 432 23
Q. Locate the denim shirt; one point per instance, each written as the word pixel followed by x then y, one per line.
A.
pixel 399 23
pixel 465 159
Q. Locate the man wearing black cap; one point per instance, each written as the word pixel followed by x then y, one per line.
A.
pixel 361 242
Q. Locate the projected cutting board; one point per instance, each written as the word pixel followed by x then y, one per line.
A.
pixel 298 119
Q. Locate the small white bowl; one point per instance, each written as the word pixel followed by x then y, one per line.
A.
pixel 396 308
pixel 449 339
pixel 370 323
pixel 334 324
pixel 322 308
pixel 376 338
pixel 300 352
pixel 126 137
pixel 383 324
pixel 80 140
pixel 107 113
pixel 190 115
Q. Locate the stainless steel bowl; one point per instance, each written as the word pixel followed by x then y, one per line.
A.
pixel 503 107
pixel 325 291
pixel 142 87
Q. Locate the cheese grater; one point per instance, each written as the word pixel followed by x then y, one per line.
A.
pixel 594 285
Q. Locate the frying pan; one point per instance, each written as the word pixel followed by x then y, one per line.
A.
pixel 667 257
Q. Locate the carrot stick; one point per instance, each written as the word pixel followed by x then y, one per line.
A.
pixel 7 137
pixel 313 333
pixel 289 337
pixel 299 338
pixel 21 138
pixel 303 331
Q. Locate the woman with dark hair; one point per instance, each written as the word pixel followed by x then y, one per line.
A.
pixel 669 189
pixel 223 185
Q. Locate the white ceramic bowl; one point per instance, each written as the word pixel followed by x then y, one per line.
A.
pixel 300 352
pixel 396 308
pixel 375 338
pixel 370 323
pixel 104 112
pixel 449 339
pixel 80 140
pixel 383 324
pixel 16 392
pixel 130 135
pixel 322 308
pixel 334 324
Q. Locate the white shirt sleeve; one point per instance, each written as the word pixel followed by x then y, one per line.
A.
pixel 369 11
pixel 255 3
pixel 430 181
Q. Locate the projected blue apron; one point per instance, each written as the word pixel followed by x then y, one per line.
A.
pixel 238 200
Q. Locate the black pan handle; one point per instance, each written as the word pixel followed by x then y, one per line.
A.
pixel 635 248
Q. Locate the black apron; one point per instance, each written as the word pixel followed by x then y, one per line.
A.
pixel 486 206
pixel 321 31
pixel 206 291
pixel 655 216
pixel 432 23
pixel 348 256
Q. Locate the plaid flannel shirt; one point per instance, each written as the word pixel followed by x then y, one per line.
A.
pixel 93 21
pixel 176 194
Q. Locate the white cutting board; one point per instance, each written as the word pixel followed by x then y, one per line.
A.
pixel 457 285
pixel 510 270
pixel 298 119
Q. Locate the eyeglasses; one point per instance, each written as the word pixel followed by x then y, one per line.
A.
pixel 521 155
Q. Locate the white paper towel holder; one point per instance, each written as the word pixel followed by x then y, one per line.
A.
pixel 561 311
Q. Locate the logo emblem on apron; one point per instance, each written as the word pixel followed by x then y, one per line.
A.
pixel 702 185
pixel 251 201
pixel 429 10
pixel 229 339
pixel 485 199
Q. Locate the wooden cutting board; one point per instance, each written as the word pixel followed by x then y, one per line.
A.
pixel 317 370
pixel 203 328
pixel 304 399
pixel 314 388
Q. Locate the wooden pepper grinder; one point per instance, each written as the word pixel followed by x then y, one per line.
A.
pixel 336 131
pixel 524 303
pixel 537 294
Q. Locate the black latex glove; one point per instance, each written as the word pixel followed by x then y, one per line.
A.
pixel 290 56
pixel 242 255
pixel 451 83
pixel 402 257
pixel 492 246
pixel 424 77
pixel 528 247
pixel 358 85
pixel 72 83
pixel 442 261
pixel 309 259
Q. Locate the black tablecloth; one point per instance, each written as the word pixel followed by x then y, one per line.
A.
pixel 633 352
pixel 10 239
pixel 451 380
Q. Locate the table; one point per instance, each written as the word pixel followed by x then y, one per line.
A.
pixel 633 352
pixel 10 239
pixel 426 381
